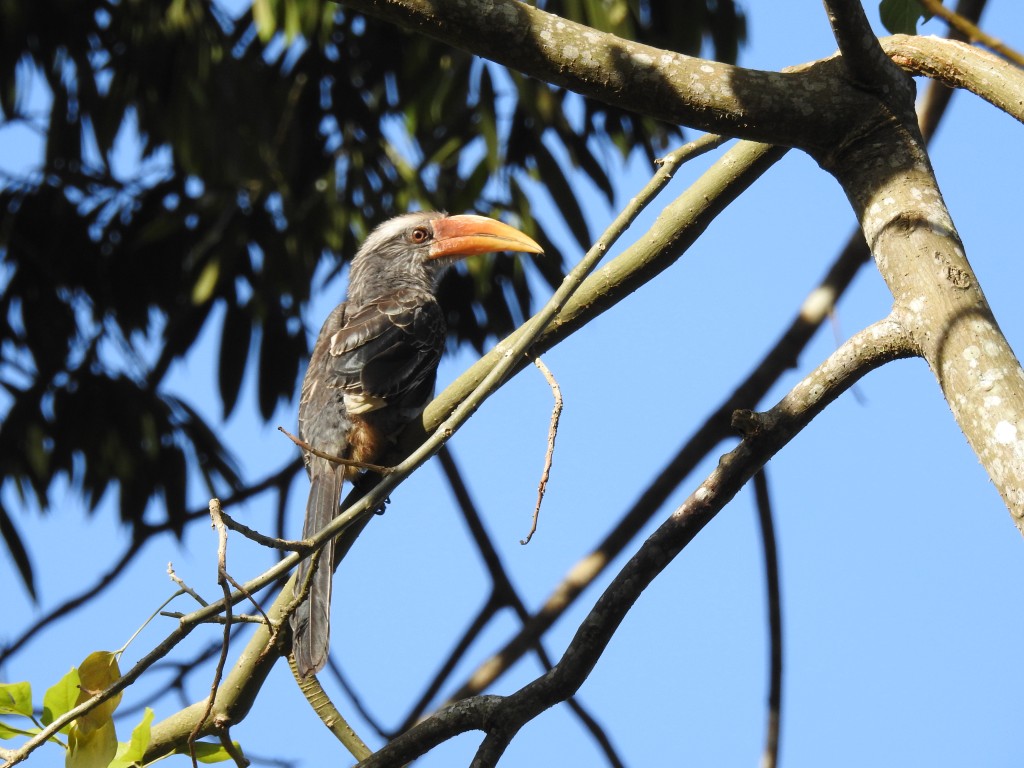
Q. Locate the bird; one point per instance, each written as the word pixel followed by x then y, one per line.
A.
pixel 372 370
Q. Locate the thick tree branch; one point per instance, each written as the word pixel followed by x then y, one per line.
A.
pixel 858 44
pixel 960 65
pixel 679 89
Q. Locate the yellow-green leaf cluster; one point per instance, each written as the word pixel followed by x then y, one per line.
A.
pixel 91 738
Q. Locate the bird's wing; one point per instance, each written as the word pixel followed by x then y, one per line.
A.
pixel 389 348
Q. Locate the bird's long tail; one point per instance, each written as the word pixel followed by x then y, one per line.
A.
pixel 311 622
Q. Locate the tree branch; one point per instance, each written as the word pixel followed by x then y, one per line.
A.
pixel 502 717
pixel 778 359
pixel 968 29
pixel 960 65
pixel 682 90
pixel 770 753
pixel 859 45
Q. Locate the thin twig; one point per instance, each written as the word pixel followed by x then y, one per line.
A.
pixel 556 414
pixel 222 580
pixel 380 470
pixel 272 542
pixel 183 586
pixel 236 618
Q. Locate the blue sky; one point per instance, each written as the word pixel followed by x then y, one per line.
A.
pixel 900 566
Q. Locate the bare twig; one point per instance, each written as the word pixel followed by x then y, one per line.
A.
pixel 380 470
pixel 119 567
pixel 556 414
pixel 267 541
pixel 185 588
pixel 236 618
pixel 222 580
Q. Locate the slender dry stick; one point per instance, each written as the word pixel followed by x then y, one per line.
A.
pixel 380 470
pixel 272 542
pixel 556 414
pixel 222 580
pixel 119 567
pixel 184 588
pixel 972 32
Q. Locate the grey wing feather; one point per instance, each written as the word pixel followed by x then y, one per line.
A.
pixel 390 348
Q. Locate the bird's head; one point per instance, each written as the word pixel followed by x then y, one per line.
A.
pixel 414 249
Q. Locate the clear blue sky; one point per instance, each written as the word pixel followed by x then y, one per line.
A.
pixel 900 566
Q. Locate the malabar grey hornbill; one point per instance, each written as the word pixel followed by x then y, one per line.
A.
pixel 372 370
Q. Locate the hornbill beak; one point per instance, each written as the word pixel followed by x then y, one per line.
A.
pixel 469 235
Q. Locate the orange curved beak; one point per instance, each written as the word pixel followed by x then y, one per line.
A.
pixel 468 235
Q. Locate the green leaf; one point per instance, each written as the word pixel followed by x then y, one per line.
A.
pixel 263 15
pixel 12 538
pixel 208 752
pixel 60 698
pixel 9 731
pixel 93 748
pixel 16 699
pixel 292 21
pixel 92 740
pixel 132 752
pixel 207 282
pixel 901 16
pixel 553 177
pixel 235 340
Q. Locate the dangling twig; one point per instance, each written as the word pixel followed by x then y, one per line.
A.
pixel 556 414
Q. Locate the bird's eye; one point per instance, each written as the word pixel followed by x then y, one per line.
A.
pixel 419 235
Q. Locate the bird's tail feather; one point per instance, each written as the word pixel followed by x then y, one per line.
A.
pixel 311 627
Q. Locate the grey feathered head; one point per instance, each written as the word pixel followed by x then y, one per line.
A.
pixel 414 249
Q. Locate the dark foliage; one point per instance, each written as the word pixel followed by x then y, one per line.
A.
pixel 263 148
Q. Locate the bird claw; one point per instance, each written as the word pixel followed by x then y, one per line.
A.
pixel 382 508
